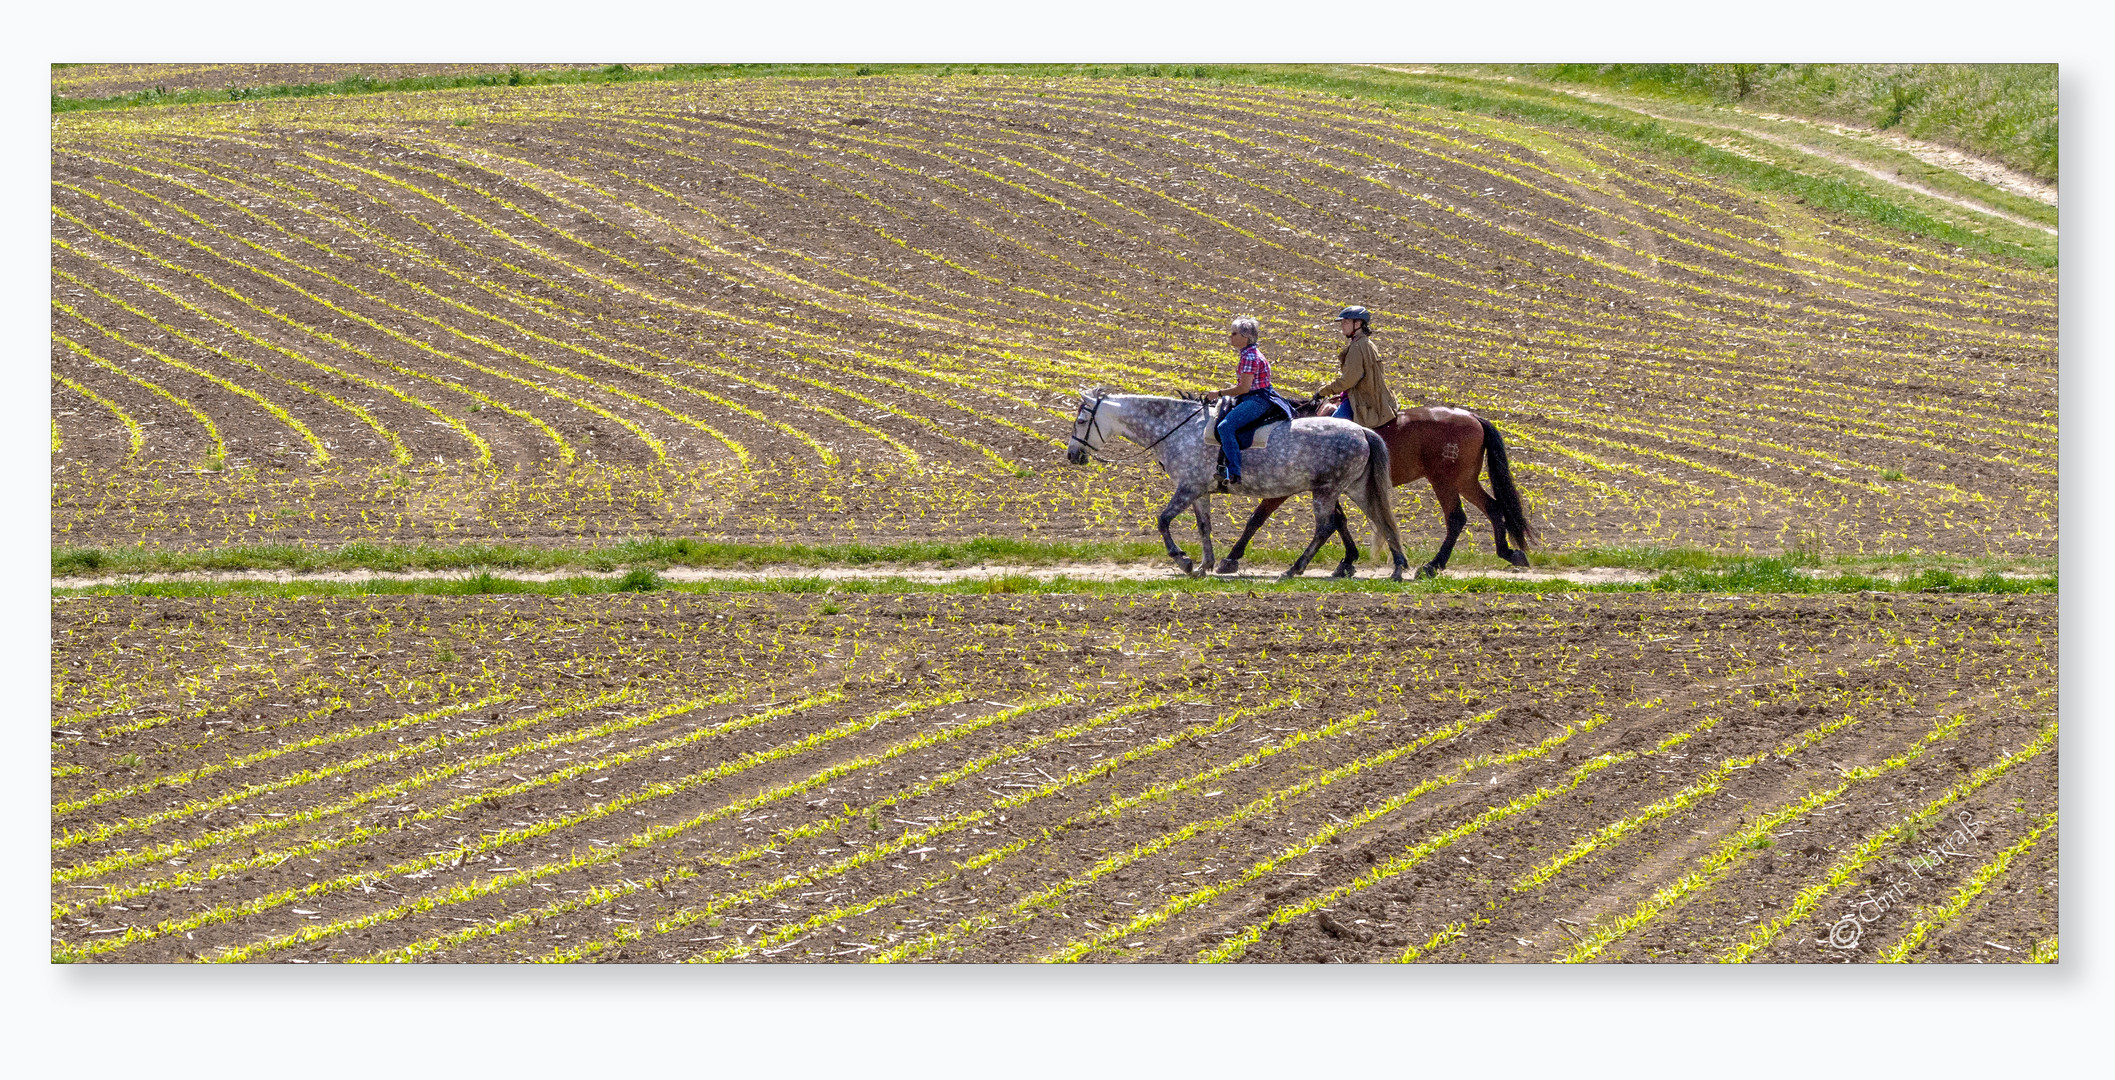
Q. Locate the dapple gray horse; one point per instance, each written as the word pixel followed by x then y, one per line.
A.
pixel 1326 456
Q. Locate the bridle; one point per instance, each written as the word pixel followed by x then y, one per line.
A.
pixel 1092 418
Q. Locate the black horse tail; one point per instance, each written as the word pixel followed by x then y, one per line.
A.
pixel 1510 508
pixel 1380 494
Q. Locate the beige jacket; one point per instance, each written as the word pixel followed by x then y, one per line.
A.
pixel 1363 382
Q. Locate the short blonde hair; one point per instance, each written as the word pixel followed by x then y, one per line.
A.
pixel 1248 326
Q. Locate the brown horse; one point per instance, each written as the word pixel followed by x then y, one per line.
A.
pixel 1449 448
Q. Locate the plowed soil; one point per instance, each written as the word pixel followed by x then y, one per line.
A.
pixel 864 308
pixel 1349 778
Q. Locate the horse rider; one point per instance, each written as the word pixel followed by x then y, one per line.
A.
pixel 1363 384
pixel 1252 393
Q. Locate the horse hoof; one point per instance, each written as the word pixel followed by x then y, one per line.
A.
pixel 1185 566
pixel 1427 570
pixel 1228 566
pixel 1288 575
pixel 1397 576
pixel 1344 572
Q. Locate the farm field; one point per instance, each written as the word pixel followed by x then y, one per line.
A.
pixel 111 80
pixel 623 517
pixel 1275 778
pixel 861 309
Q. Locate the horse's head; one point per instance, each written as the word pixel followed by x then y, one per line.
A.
pixel 1310 407
pixel 1086 425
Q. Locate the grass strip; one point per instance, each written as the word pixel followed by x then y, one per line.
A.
pixel 1810 898
pixel 1757 576
pixel 663 553
pixel 2006 111
pixel 1942 915
pixel 2044 952
pixel 653 553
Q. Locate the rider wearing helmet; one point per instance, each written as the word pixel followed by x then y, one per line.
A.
pixel 1363 384
pixel 1252 392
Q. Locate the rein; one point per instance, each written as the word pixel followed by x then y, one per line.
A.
pixel 1093 419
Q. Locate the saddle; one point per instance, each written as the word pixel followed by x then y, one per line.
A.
pixel 1255 434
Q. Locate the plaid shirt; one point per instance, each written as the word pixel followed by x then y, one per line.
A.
pixel 1253 364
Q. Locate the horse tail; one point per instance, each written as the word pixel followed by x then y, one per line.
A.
pixel 1380 494
pixel 1510 508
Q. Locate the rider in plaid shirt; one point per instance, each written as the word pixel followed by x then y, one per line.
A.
pixel 1251 389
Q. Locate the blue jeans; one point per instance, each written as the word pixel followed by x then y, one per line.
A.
pixel 1245 411
pixel 1343 409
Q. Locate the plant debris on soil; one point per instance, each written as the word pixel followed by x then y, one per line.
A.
pixel 1334 778
pixel 861 309
pixel 626 519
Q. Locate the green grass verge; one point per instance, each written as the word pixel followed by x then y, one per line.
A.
pixel 649 553
pixel 2003 111
pixel 661 554
pixel 1754 136
pixel 1753 576
pixel 1835 193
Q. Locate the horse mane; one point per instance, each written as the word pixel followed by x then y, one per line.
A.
pixel 1178 396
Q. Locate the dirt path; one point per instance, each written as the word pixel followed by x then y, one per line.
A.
pixel 1100 571
pixel 1978 169
pixel 1974 168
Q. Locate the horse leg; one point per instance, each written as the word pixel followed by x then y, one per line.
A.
pixel 1263 512
pixel 1347 568
pixel 1373 512
pixel 1325 523
pixel 1488 503
pixel 1184 497
pixel 1203 509
pixel 1449 502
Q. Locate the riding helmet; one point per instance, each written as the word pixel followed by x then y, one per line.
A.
pixel 1356 312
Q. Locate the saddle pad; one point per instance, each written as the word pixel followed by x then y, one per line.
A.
pixel 1256 435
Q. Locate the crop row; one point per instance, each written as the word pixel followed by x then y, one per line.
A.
pixel 703 287
pixel 690 777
